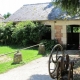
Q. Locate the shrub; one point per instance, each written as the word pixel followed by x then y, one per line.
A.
pixel 2 29
pixel 29 25
pixel 21 33
pixel 39 32
pixel 17 35
pixel 6 32
pixel 49 44
pixel 34 35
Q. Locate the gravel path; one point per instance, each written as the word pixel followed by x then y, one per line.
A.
pixel 35 70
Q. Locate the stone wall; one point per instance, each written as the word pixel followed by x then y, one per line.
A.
pixel 58 33
pixel 59 29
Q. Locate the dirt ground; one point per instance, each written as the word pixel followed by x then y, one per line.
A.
pixel 4 58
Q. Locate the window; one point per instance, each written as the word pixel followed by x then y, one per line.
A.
pixel 73 29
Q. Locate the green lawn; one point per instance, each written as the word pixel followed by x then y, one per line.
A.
pixel 7 60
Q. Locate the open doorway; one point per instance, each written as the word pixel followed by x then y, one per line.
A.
pixel 73 37
pixel 47 33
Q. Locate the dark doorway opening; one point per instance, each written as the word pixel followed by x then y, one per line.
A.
pixel 47 33
pixel 73 37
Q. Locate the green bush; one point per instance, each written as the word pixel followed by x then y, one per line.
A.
pixel 35 35
pixel 39 32
pixel 21 33
pixel 2 29
pixel 17 35
pixel 9 28
pixel 29 25
pixel 6 32
pixel 49 44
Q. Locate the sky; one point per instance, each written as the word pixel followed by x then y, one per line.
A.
pixel 12 6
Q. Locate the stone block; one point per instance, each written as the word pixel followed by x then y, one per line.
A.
pixel 17 57
pixel 41 49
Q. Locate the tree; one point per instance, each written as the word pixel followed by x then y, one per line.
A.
pixel 6 15
pixel 72 7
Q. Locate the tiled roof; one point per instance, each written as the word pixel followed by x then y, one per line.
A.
pixel 40 11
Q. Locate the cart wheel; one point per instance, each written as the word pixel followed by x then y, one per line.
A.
pixel 53 64
pixel 56 49
pixel 51 67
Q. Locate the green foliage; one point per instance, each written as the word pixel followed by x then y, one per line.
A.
pixel 2 29
pixel 6 32
pixel 70 6
pixel 36 33
pixel 76 29
pixel 17 34
pixel 9 27
pixel 39 32
pixel 23 33
pixel 49 44
pixel 27 30
pixel 6 15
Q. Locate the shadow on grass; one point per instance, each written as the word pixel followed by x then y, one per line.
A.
pixel 40 77
pixel 20 63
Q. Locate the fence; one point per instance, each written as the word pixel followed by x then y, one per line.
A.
pixel 19 50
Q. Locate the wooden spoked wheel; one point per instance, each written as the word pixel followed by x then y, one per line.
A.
pixel 51 67
pixel 53 61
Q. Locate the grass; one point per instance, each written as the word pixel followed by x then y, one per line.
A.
pixel 7 60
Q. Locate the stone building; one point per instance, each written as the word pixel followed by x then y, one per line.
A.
pixel 63 26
